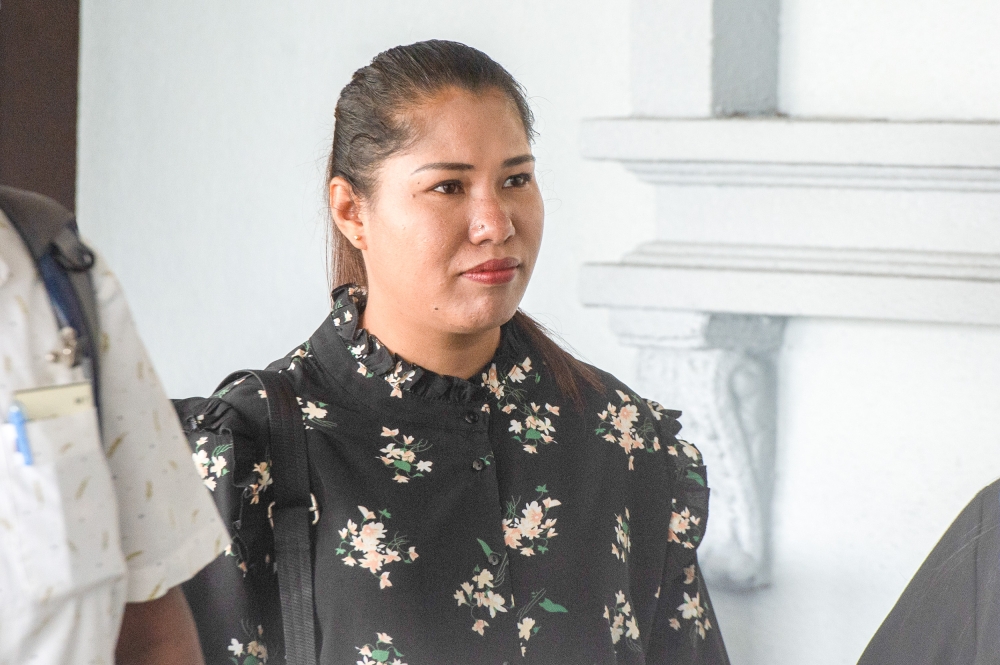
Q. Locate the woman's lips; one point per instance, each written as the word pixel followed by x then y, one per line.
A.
pixel 494 271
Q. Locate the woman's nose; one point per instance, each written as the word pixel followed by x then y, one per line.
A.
pixel 490 221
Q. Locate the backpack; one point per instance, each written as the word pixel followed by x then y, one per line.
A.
pixel 285 608
pixel 64 262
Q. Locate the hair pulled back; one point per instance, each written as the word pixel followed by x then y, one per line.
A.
pixel 371 124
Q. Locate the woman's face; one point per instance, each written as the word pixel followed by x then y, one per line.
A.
pixel 453 228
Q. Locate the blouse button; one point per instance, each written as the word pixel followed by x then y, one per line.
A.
pixel 493 558
pixel 478 465
pixel 471 417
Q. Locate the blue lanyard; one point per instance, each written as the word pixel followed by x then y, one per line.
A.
pixel 69 313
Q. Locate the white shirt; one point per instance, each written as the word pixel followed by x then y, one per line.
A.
pixel 99 518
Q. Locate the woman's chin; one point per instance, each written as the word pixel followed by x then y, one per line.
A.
pixel 483 318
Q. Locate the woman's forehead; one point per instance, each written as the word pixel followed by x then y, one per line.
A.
pixel 469 130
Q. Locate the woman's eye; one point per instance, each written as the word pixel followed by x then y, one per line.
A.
pixel 519 180
pixel 450 187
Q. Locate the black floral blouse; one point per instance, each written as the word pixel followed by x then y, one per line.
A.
pixel 479 521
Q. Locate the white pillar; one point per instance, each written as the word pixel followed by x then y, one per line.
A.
pixel 702 58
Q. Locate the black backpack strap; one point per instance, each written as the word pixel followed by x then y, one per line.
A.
pixel 50 232
pixel 291 514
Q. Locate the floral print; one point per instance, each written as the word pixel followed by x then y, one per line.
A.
pixel 622 622
pixel 380 652
pixel 527 627
pixel 624 426
pixel 212 466
pixel 296 357
pixel 467 474
pixel 623 546
pixel 398 378
pixel 532 425
pixel 683 527
pixel 400 455
pixel 530 532
pixel 366 540
pixel 478 594
pixel 253 652
pixel 262 472
pixel 690 464
pixel 313 413
pixel 691 611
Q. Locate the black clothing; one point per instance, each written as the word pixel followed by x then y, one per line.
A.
pixel 950 611
pixel 479 521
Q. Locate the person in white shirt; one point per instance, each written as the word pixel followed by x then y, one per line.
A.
pixel 98 531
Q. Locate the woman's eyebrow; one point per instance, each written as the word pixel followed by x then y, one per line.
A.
pixel 516 161
pixel 459 166
pixel 444 166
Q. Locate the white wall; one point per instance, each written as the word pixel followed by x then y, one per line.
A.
pixel 203 135
pixel 899 59
pixel 885 430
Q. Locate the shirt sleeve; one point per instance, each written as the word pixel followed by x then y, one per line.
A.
pixel 170 528
pixel 685 630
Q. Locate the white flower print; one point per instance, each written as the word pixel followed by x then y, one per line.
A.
pixel 622 622
pixel 210 467
pixel 531 531
pixel 380 652
pixel 295 357
pixel 622 425
pixel 623 546
pixel 400 455
pixel 680 523
pixel 533 426
pixel 254 652
pixel 527 626
pixel 524 627
pixel 397 380
pixel 691 608
pixel 263 472
pixel 314 413
pixel 362 545
pixel 478 594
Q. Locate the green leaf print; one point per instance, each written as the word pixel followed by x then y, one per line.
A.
pixel 486 548
pixel 400 464
pixel 696 477
pixel 543 489
pixel 533 434
pixel 549 606
pixel 380 655
pixel 221 449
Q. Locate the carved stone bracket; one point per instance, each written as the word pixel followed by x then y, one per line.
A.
pixel 720 369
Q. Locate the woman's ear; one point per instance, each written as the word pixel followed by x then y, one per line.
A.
pixel 345 208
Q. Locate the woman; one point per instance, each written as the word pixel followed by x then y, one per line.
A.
pixel 483 496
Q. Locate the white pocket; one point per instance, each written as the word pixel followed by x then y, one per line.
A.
pixel 64 524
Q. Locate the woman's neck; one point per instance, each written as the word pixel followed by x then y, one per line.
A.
pixel 449 354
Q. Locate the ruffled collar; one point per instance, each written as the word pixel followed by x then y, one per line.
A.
pixel 375 361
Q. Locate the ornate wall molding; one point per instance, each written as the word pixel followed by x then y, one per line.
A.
pixel 881 284
pixel 761 217
pixel 721 368
pixel 834 176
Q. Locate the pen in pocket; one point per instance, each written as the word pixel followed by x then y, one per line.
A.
pixel 15 416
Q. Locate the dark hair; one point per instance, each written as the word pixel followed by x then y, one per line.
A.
pixel 371 125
